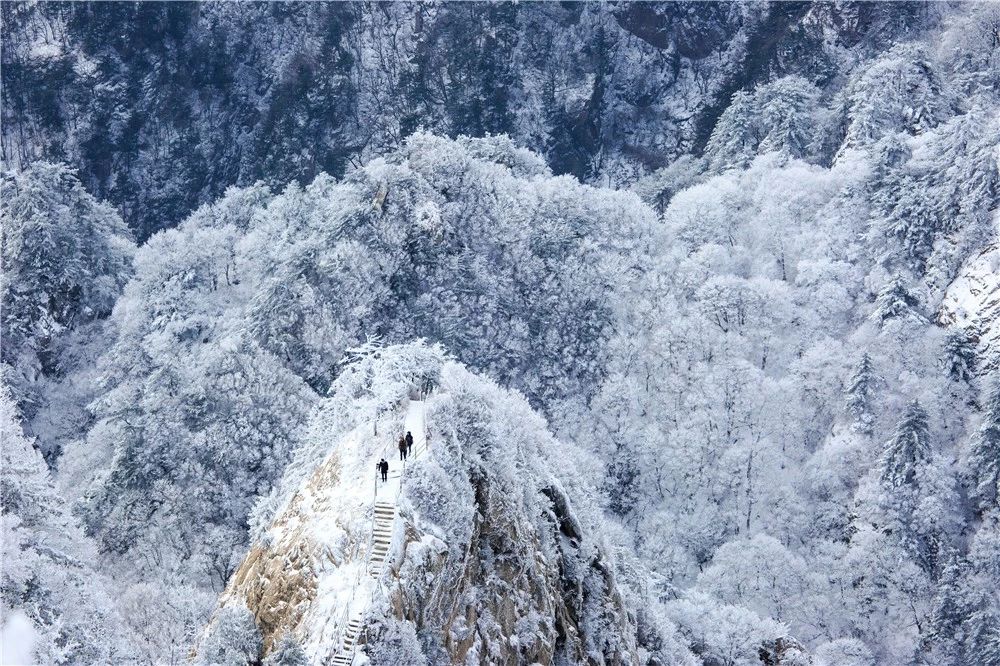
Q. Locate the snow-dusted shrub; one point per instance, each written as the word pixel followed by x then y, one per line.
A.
pixel 232 640
pixel 843 652
pixel 288 652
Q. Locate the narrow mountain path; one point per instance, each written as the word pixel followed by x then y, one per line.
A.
pixel 384 512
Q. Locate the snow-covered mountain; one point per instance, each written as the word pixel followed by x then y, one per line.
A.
pixel 694 309
pixel 471 552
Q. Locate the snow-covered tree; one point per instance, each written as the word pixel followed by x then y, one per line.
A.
pixel 984 455
pixel 908 449
pixel 65 259
pixel 288 652
pixel 896 302
pixel 233 639
pixel 960 357
pixel 844 652
pixel 861 394
pixel 735 137
pixel 898 92
pixel 948 612
pixel 779 116
pixel 787 113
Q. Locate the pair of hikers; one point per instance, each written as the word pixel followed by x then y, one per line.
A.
pixel 405 445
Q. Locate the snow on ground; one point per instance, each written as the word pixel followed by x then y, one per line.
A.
pixel 973 303
pixel 17 640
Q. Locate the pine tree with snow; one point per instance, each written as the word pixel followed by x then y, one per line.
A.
pixel 786 108
pixel 65 257
pixel 909 448
pixel 960 357
pixel 984 456
pixel 948 612
pixel 861 395
pixel 910 223
pixel 982 639
pixel 896 301
pixel 734 140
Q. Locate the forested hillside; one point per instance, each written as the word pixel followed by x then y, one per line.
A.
pixel 717 285
pixel 162 106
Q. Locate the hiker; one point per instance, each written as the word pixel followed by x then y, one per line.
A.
pixel 409 443
pixel 402 448
pixel 383 467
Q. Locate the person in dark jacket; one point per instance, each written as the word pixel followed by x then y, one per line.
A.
pixel 409 443
pixel 402 448
pixel 383 467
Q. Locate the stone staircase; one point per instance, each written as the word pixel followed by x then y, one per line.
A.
pixel 383 523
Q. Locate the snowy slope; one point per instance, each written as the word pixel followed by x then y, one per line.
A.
pixel 972 302
pixel 471 553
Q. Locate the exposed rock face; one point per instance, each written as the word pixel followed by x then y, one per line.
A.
pixel 278 580
pixel 972 302
pixel 489 562
pixel 525 586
